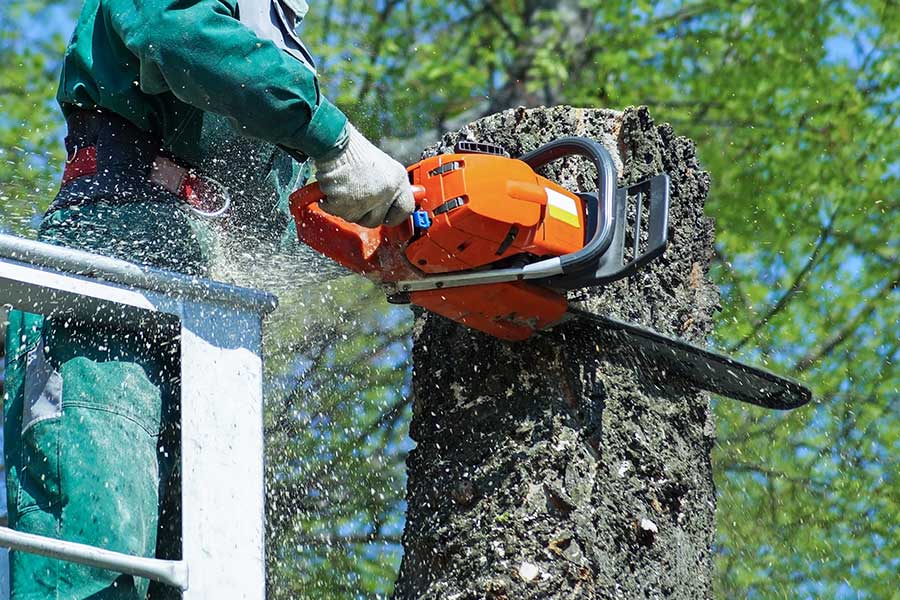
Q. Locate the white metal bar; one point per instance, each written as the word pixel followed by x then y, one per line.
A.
pixel 223 521
pixel 171 572
pixel 95 267
pixel 51 292
pixel 539 270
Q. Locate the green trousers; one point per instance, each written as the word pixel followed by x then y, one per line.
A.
pixel 91 416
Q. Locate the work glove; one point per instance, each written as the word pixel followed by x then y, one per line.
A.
pixel 364 185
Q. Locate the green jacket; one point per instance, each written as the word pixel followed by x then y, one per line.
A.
pixel 220 82
pixel 163 63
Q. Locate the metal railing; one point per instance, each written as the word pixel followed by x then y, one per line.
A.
pixel 222 502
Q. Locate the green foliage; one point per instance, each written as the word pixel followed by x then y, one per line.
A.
pixel 30 152
pixel 794 107
pixel 336 441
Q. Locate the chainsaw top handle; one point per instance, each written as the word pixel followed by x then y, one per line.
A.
pixel 606 187
pixel 603 257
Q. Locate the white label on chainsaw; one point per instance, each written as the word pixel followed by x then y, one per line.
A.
pixel 562 207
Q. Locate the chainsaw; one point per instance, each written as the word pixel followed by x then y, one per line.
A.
pixel 499 248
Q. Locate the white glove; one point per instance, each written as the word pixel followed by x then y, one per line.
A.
pixel 364 185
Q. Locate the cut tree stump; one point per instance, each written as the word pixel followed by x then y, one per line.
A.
pixel 557 467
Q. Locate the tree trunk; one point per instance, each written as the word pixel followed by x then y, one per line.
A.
pixel 557 467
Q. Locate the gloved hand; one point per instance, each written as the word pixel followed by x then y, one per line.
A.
pixel 364 185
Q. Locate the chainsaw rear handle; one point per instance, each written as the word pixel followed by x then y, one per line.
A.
pixel 308 194
pixel 312 194
pixel 589 255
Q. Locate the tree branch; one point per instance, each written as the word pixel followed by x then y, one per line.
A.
pixel 847 331
pixel 386 419
pixel 347 540
pixel 742 467
pixel 795 287
pixel 375 49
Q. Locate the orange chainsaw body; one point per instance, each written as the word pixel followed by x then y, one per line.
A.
pixel 481 210
pixel 494 246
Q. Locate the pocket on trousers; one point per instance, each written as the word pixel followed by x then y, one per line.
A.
pixel 43 389
pixel 86 414
pixel 39 478
pixel 118 388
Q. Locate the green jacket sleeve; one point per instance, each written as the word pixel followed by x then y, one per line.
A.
pixel 206 57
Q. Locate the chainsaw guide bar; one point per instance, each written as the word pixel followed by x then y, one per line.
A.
pixel 701 367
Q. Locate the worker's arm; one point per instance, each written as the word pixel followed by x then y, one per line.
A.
pixel 210 60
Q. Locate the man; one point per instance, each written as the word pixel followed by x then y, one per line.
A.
pixel 169 104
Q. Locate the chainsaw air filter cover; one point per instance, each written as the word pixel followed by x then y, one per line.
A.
pixel 484 209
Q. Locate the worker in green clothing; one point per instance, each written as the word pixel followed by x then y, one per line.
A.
pixel 172 106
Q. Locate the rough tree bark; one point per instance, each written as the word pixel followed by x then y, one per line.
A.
pixel 558 467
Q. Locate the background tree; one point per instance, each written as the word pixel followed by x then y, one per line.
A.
pixel 794 107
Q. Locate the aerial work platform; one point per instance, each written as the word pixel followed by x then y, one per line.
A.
pixel 221 409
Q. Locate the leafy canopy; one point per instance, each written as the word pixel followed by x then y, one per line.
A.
pixel 794 107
